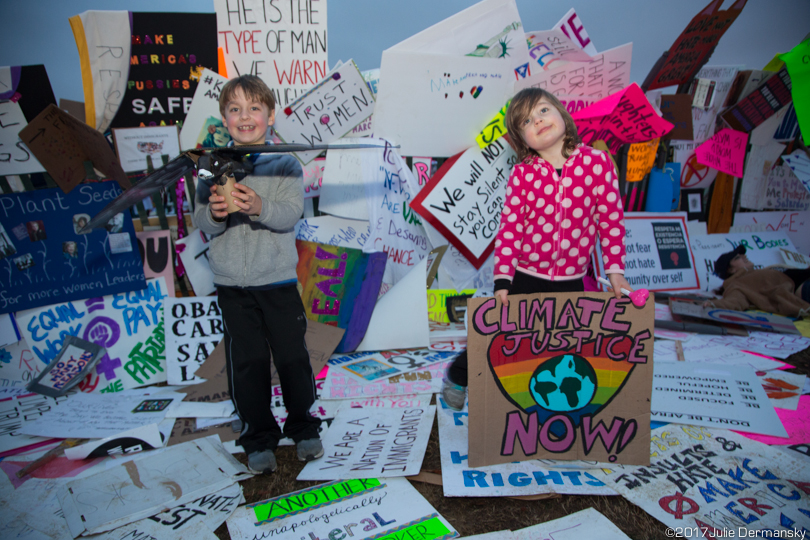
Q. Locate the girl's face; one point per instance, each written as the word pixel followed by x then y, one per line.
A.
pixel 544 130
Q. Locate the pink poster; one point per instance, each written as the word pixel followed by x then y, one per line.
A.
pixel 725 151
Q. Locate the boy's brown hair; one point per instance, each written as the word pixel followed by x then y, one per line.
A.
pixel 519 110
pixel 252 87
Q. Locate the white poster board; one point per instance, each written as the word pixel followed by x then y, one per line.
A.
pixel 658 254
pixel 761 248
pixel 713 395
pixel 700 350
pixel 133 145
pixel 586 523
pixel 193 329
pixel 795 224
pixel 128 325
pixel 760 161
pixel 364 509
pixel 464 202
pixel 334 107
pixel 20 159
pixel 333 231
pixel 343 191
pixel 784 191
pixel 204 113
pixel 734 471
pixel 194 255
pixel 373 443
pixel 426 380
pixel 17 412
pixel 507 480
pixel 572 26
pixel 19 365
pixel 373 366
pixel 283 43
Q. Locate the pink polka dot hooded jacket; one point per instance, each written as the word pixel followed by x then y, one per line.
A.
pixel 548 225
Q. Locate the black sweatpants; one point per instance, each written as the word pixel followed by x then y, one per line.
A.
pixel 521 284
pixel 257 322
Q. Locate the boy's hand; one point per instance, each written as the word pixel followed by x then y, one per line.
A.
pixel 217 204
pixel 617 282
pixel 247 199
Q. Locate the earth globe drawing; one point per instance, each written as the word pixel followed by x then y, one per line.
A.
pixel 563 383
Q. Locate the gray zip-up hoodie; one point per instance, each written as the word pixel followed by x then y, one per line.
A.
pixel 253 251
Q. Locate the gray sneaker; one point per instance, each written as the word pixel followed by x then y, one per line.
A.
pixel 454 395
pixel 263 462
pixel 309 449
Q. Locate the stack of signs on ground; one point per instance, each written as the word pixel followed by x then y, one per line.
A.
pixel 128 325
pixel 713 395
pixel 425 380
pixel 716 481
pixel 757 321
pixel 16 413
pixel 562 376
pixel 658 254
pixel 373 442
pixel 506 480
pixel 340 287
pixel 48 261
pixel 194 330
pixel 384 364
pixel 583 524
pixel 700 350
pixel 360 509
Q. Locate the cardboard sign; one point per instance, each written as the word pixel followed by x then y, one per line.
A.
pixel 286 47
pixel 725 151
pixel 155 248
pixel 658 255
pixel 203 126
pixel 606 73
pixel 168 52
pixel 70 366
pixel 795 260
pixel 767 476
pixel 340 286
pixel 376 442
pixel 368 508
pixel 103 41
pixel 464 199
pixel 762 248
pixel 784 191
pixel 337 104
pixel 760 104
pixel 47 261
pixel 561 376
pixel 695 44
pixel 623 117
pixel 586 523
pixel 677 110
pixel 640 160
pixel 509 479
pixel 129 325
pixel 194 330
pixel 62 144
pixel 713 395
pixel 133 145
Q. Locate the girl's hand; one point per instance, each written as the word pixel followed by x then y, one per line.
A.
pixel 502 295
pixel 247 200
pixel 617 283
pixel 217 204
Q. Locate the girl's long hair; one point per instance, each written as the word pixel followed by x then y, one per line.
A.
pixel 519 110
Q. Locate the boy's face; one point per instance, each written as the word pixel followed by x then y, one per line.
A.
pixel 247 120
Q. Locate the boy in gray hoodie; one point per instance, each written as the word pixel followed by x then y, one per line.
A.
pixel 253 257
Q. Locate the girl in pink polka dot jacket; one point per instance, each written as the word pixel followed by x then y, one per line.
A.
pixel 559 194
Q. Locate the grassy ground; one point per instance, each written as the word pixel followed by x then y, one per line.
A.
pixel 472 516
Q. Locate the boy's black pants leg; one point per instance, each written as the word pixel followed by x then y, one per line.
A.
pixel 257 322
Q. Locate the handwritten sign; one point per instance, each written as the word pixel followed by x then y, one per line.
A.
pixel 340 287
pixel 572 26
pixel 695 44
pixel 70 366
pixel 373 442
pixel 794 224
pixel 128 325
pixel 15 158
pixel 761 159
pixel 464 199
pixel 62 144
pixel 605 74
pixel 282 44
pixel 18 365
pixel 204 106
pixel 784 191
pixel 640 160
pixel 799 163
pixel 333 231
pixel 382 365
pixel 46 261
pixel 313 178
pixel 735 472
pixel 194 330
pixel 549 391
pixel 508 479
pixel 494 129
pixel 425 380
pixel 336 105
pixel 133 145
pixel 725 151
pixel 623 117
pixel 761 104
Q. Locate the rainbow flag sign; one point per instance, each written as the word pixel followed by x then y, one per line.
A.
pixel 560 376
